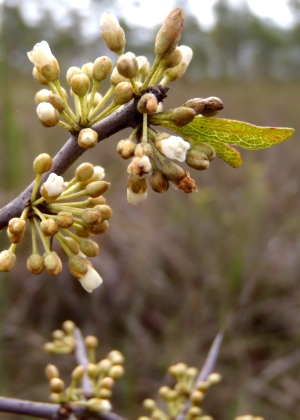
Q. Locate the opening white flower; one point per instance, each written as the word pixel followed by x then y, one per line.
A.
pixel 42 56
pixel 46 112
pixel 135 198
pixel 91 280
pixel 99 172
pixel 53 187
pixel 187 54
pixel 173 147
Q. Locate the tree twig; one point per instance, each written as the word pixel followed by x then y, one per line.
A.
pixel 50 411
pixel 82 359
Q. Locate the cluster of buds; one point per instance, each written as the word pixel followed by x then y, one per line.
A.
pixel 132 78
pixel 99 376
pixel 184 398
pixel 58 214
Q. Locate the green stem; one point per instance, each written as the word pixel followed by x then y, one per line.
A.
pixel 63 97
pixel 42 236
pixel 150 74
pixel 92 96
pixel 107 111
pixel 36 186
pixel 61 240
pixel 33 238
pixel 105 98
pixel 135 87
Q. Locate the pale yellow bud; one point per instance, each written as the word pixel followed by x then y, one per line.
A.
pixel 98 405
pixel 112 33
pixel 51 371
pixel 68 326
pixel 123 93
pixel 125 148
pixel 89 247
pixel 80 84
pixel 87 138
pixel 49 227
pixel 214 378
pixel 116 78
pixel 107 382
pixel 47 114
pixel 53 263
pixel 144 149
pixel 149 404
pixel 104 365
pixel 42 163
pixel 116 372
pixel 94 189
pixel 72 71
pixel 78 373
pixel 182 116
pixel 7 260
pixel 64 219
pixel 102 68
pixel 99 227
pixel 196 397
pixel 127 65
pixel 91 342
pixel 42 96
pixel 57 102
pixel 96 201
pixel 84 171
pixel 35 263
pixel 105 211
pixel 38 77
pixel 87 69
pixel 72 245
pixel 17 226
pixel 56 385
pixel 91 216
pixel 116 357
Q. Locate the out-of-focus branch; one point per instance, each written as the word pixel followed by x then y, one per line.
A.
pixel 82 359
pixel 51 411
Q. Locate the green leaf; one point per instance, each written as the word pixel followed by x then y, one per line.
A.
pixel 221 133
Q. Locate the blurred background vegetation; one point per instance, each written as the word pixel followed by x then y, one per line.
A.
pixel 176 266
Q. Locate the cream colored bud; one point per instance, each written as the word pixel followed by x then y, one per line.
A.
pixel 47 114
pixel 44 61
pixel 140 166
pixel 49 348
pixel 81 231
pixel 112 33
pixel 149 404
pixel 102 68
pixel 92 202
pixel 196 397
pixel 178 370
pixel 38 77
pixel 105 211
pixel 169 34
pixel 136 189
pixel 104 393
pixel 53 263
pixel 158 182
pixel 182 116
pixel 7 260
pixel 72 245
pixel 96 100
pixel 116 78
pixel 116 371
pixel 87 69
pixel 164 392
pixel 125 148
pixel 80 84
pixel 87 138
pixel 35 263
pixel 15 238
pixel 214 378
pixel 144 149
pixel 51 371
pixel 78 373
pixel 42 163
pixel 91 216
pixel 89 247
pixel 64 219
pixel 78 266
pixel 98 405
pixel 56 385
pixel 175 73
pixel 58 335
pixel 49 227
pixel 99 227
pixel 104 366
pixel 173 147
pixel 123 93
pixel 127 65
pixel 56 101
pixel 99 173
pixel 116 357
pixel 197 160
pixel 84 171
pixel 94 189
pixel 72 71
pixel 107 382
pixel 53 187
pixel 68 326
pixel 92 370
pixel 91 342
pixel 42 96
pixel 144 66
pixel 17 226
pixel 147 104
pixel 91 280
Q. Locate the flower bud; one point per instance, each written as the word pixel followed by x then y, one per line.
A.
pixel 78 266
pixel 214 378
pixel 82 232
pixel 144 149
pixel 35 263
pixel 87 69
pixel 140 166
pixel 197 160
pixel 127 65
pixel 91 342
pixel 15 238
pixel 47 114
pixel 169 34
pixel 147 104
pixel 179 177
pixel 78 373
pixel 196 397
pixel 56 385
pixel 44 61
pixel 89 247
pixel 99 228
pixel 53 263
pixel 105 211
pixel 7 260
pixel 96 188
pixel 102 68
pixel 42 96
pixel 144 66
pixel 197 104
pixel 80 84
pixel 91 280
pixel 92 202
pixel 96 100
pixel 125 148
pixel 49 227
pixel 64 219
pixel 91 216
pixel 17 226
pixel 149 404
pixel 87 138
pixel 136 189
pixel 116 357
pixel 68 326
pixel 182 116
pixel 99 173
pixel 72 245
pixel 104 365
pixel 116 371
pixel 173 147
pixel 98 405
pixel 107 382
pixel 116 78
pixel 174 73
pixel 42 163
pixel 38 77
pixel 112 33
pixel 158 182
pixel 213 107
pixel 72 71
pixel 53 187
pixel 123 93
pixel 56 101
pixel 51 371
pixel 173 59
pixel 84 171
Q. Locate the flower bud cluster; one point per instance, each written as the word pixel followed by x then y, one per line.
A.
pixel 187 392
pixel 69 212
pixel 101 375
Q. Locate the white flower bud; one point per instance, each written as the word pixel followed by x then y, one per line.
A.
pixel 173 147
pixel 87 138
pixel 45 62
pixel 47 114
pixel 140 166
pixel 91 280
pixel 53 187
pixel 112 33
pixel 136 189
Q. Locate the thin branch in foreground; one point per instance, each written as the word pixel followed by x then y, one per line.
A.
pixel 50 411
